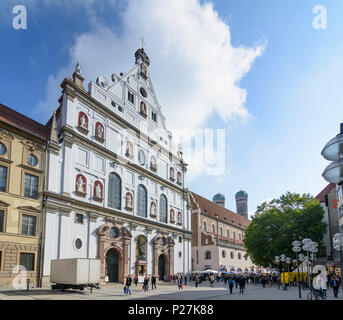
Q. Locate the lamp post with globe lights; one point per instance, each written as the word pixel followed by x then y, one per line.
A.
pixel 307 247
pixel 301 259
pixel 338 245
pixel 288 261
pixel 296 248
pixel 283 260
pixel 277 261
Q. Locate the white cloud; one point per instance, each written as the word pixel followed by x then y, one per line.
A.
pixel 194 67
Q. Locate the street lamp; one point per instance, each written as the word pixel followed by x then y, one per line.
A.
pixel 283 259
pixel 277 260
pixel 332 151
pixel 288 261
pixel 307 247
pixel 296 248
pixel 301 259
pixel 338 245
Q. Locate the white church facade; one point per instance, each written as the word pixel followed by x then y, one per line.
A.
pixel 115 189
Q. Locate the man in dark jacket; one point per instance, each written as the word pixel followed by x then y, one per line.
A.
pixel 153 282
pixel 241 284
pixel 236 281
pixel 128 284
pixel 146 283
pixel 231 283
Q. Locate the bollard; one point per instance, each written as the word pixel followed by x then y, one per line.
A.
pixel 27 284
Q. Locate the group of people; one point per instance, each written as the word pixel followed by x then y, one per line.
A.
pixel 145 286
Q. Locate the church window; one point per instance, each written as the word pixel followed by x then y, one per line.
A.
pixel 204 226
pixel 141 157
pixel 213 228
pixel 143 92
pixel 142 201
pixel 114 191
pixel 179 218
pixel 131 97
pixel 153 116
pixel 208 255
pixel 163 208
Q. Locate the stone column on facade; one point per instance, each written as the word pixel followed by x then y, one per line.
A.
pixel 102 259
pixel 171 260
pixel 155 259
pixel 126 259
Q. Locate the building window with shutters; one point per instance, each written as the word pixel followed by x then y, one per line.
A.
pixel 163 208
pixel 27 260
pixel 31 186
pixel 114 191
pixel 28 225
pixel 142 201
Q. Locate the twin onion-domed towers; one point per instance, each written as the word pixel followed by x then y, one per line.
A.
pixel 241 202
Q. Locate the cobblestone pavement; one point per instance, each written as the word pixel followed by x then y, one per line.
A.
pixel 164 292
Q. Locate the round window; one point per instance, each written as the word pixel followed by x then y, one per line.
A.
pixel 143 92
pixel 141 157
pixel 78 243
pixel 32 160
pixel 114 232
pixel 3 149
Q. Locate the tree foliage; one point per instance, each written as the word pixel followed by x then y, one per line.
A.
pixel 277 223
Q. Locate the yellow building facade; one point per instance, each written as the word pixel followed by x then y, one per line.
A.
pixel 22 172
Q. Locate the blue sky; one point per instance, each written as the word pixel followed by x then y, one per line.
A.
pixel 294 99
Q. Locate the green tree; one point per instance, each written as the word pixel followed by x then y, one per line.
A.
pixel 277 223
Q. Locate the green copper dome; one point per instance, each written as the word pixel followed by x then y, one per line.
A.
pixel 219 197
pixel 241 194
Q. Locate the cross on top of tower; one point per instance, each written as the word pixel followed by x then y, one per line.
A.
pixel 143 43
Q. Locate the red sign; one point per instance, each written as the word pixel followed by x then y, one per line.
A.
pixel 334 203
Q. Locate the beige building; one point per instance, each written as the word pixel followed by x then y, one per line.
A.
pixel 22 167
pixel 218 234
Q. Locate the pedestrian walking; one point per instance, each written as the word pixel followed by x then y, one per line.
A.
pixel 335 285
pixel 241 285
pixel 236 282
pixel 231 284
pixel 185 280
pixel 211 280
pixel 153 282
pixel 196 280
pixel 135 280
pixel 146 283
pixel 128 284
pixel 179 283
